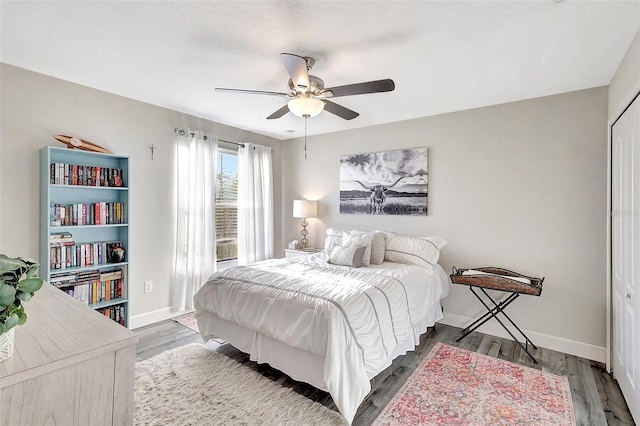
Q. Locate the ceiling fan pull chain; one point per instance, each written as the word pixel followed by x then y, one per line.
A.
pixel 305 136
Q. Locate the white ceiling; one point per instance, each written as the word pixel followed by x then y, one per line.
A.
pixel 443 56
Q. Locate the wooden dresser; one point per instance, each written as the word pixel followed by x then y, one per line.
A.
pixel 71 366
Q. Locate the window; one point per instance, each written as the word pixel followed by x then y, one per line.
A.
pixel 227 206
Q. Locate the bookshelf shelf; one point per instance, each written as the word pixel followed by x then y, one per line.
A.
pixel 89 214
pixel 91 188
pixel 75 269
pixel 70 228
pixel 108 303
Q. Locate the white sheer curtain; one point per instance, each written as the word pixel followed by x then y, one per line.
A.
pixel 195 257
pixel 255 204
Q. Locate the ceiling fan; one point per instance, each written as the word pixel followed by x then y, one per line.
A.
pixel 307 94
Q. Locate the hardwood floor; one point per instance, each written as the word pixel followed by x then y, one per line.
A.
pixel 597 399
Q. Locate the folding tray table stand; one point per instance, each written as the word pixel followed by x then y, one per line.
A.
pixel 502 280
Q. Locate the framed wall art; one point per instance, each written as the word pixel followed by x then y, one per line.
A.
pixel 387 182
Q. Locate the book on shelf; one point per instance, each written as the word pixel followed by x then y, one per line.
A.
pixel 100 213
pixel 74 255
pixel 61 239
pixel 82 175
pixel 116 313
pixel 62 279
pixel 91 287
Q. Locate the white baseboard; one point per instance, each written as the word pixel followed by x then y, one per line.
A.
pixel 147 318
pixel 560 344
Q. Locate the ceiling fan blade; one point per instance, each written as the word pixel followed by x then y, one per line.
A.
pixel 297 68
pixel 376 86
pixel 250 92
pixel 339 110
pixel 279 113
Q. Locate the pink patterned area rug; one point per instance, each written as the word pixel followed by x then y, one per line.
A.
pixel 453 386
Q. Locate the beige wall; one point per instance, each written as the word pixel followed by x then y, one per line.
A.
pixel 519 185
pixel 35 107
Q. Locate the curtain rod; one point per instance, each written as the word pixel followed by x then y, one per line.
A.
pixel 183 132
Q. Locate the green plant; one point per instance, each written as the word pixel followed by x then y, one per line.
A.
pixel 18 282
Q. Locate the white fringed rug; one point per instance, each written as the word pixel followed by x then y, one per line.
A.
pixel 192 385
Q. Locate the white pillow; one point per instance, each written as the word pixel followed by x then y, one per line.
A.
pixel 357 238
pixel 347 255
pixel 378 247
pixel 423 251
pixel 334 238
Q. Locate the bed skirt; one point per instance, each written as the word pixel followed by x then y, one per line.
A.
pixel 298 364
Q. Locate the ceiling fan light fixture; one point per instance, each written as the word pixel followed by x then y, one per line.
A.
pixel 305 105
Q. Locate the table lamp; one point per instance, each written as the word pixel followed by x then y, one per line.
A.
pixel 304 209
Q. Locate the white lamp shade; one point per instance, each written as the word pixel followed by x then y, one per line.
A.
pixel 306 105
pixel 305 208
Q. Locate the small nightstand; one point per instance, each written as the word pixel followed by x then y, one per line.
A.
pixel 289 253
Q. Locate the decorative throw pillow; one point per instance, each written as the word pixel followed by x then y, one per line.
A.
pixel 423 251
pixel 358 238
pixel 334 238
pixel 347 255
pixel 378 247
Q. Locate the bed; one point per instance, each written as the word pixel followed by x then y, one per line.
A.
pixel 334 327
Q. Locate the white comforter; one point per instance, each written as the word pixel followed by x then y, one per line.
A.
pixel 354 318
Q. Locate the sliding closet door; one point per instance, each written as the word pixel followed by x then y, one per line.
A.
pixel 625 244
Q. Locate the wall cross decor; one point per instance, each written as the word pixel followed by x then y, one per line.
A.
pixel 153 148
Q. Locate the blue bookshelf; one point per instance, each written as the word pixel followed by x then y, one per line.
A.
pixel 104 223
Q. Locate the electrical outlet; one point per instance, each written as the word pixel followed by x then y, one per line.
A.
pixel 148 286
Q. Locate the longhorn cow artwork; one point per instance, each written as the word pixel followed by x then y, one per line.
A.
pixel 388 182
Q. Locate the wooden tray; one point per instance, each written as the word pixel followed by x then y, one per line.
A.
pixel 499 280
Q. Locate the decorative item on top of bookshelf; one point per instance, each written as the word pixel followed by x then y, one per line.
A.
pixel 84 227
pixel 18 283
pixel 73 142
